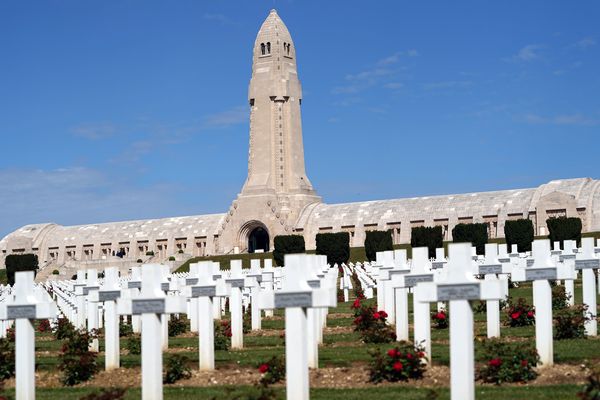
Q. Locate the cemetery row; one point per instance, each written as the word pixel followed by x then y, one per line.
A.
pixel 391 296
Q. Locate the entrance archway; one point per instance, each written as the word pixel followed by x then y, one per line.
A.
pixel 258 239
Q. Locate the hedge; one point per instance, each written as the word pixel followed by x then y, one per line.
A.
pixel 19 262
pixel 519 232
pixel 476 234
pixel 377 241
pixel 336 246
pixel 563 228
pixel 287 244
pixel 431 237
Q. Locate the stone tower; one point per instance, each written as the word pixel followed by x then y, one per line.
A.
pixel 277 188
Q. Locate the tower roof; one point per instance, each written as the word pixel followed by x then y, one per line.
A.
pixel 273 31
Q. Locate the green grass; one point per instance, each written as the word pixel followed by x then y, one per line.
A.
pixel 3 277
pixel 381 393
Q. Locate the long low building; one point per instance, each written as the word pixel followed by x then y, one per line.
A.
pixel 199 235
pixel 278 198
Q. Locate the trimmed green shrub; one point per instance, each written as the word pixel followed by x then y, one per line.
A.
pixel 508 362
pixel 134 344
pixel 431 237
pixel 287 244
pixel 177 325
pixel 336 246
pixel 476 234
pixel 55 272
pixel 172 258
pixel 176 368
pixel 20 262
pixel 272 371
pixel 564 229
pixel 77 363
pixel 7 359
pixel 149 253
pixel 569 323
pixel 377 241
pixel 519 232
pixel 400 363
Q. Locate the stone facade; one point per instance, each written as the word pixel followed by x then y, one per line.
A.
pixel 278 198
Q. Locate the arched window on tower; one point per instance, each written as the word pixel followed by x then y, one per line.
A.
pixel 284 46
pixel 268 47
pixel 288 49
pixel 262 49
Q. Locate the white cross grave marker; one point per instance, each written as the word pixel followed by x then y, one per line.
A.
pixel 296 297
pixel 541 272
pixel 587 262
pixel 108 294
pixel 236 282
pixel 204 291
pixel 151 304
pixel 23 308
pixel 458 288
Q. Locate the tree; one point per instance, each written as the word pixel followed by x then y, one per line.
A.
pixel 519 232
pixel 564 228
pixel 20 262
pixel 287 244
pixel 476 234
pixel 336 246
pixel 427 236
pixel 377 241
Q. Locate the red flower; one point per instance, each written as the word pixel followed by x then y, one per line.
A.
pixel 524 363
pixel 495 362
pixel 440 315
pixel 420 354
pixel 383 314
pixel 376 315
pixel 530 314
pixel 515 315
pixel 263 368
pixel 357 320
pixel 392 353
pixel 409 356
pixel 397 366
pixel 356 303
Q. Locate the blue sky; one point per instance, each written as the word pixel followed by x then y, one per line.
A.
pixel 114 110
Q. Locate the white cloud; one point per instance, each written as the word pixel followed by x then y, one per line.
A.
pixel 94 131
pixel 394 85
pixel 220 18
pixel 576 119
pixel 585 43
pixel 234 116
pixel 528 53
pixel 75 196
pixel 447 85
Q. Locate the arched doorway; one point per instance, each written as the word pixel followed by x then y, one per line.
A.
pixel 258 239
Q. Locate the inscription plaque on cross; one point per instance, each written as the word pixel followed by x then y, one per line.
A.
pixel 150 305
pixel 541 273
pixel 459 287
pixel 296 297
pixel 24 307
pixel 587 261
